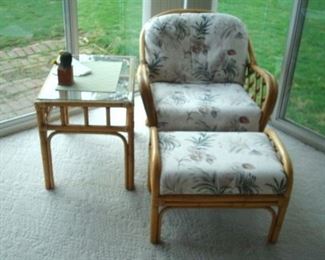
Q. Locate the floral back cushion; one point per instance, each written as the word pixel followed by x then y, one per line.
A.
pixel 196 47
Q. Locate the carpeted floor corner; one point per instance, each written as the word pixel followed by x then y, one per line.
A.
pixel 90 215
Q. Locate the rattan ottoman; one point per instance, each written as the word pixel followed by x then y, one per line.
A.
pixel 219 169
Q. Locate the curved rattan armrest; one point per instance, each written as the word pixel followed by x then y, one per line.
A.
pixel 146 95
pixel 262 87
pixel 284 157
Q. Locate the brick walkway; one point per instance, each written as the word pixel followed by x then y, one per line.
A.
pixel 22 73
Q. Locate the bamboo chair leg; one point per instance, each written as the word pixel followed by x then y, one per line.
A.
pixel 272 226
pixel 155 222
pixel 278 223
pixel 149 168
pixel 149 164
pixel 149 182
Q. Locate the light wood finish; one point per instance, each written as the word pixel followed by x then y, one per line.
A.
pixel 49 128
pixel 275 204
pixel 259 83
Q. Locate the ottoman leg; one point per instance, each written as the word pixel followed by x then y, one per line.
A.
pixel 149 166
pixel 150 163
pixel 155 222
pixel 278 222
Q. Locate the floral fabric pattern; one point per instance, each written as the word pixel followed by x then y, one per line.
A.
pixel 219 163
pixel 204 107
pixel 201 47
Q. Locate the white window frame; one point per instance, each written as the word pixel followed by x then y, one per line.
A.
pixel 285 84
pixel 70 17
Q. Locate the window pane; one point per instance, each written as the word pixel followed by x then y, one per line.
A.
pixel 307 98
pixel 109 27
pixel 267 23
pixel 31 34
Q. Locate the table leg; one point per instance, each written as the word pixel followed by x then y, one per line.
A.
pixel 45 149
pixel 130 149
pixel 47 160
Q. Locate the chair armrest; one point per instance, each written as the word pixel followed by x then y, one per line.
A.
pixel 262 87
pixel 283 155
pixel 146 95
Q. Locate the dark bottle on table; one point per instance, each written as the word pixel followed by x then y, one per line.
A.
pixel 65 70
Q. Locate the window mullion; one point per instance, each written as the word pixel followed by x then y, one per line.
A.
pixel 291 55
pixel 70 14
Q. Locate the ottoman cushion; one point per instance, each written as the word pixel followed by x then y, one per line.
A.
pixel 219 163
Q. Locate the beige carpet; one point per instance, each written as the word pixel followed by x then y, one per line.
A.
pixel 90 215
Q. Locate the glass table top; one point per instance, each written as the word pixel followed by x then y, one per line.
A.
pixel 107 78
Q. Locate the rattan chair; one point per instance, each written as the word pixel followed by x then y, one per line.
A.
pixel 198 72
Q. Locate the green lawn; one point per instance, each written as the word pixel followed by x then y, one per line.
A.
pixel 267 23
pixel 22 22
pixel 307 99
pixel 113 27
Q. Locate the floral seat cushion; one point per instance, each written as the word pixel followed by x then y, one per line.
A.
pixel 204 107
pixel 196 47
pixel 219 163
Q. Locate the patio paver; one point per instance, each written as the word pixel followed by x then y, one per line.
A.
pixel 22 73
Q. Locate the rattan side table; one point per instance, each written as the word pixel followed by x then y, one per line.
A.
pixel 55 106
